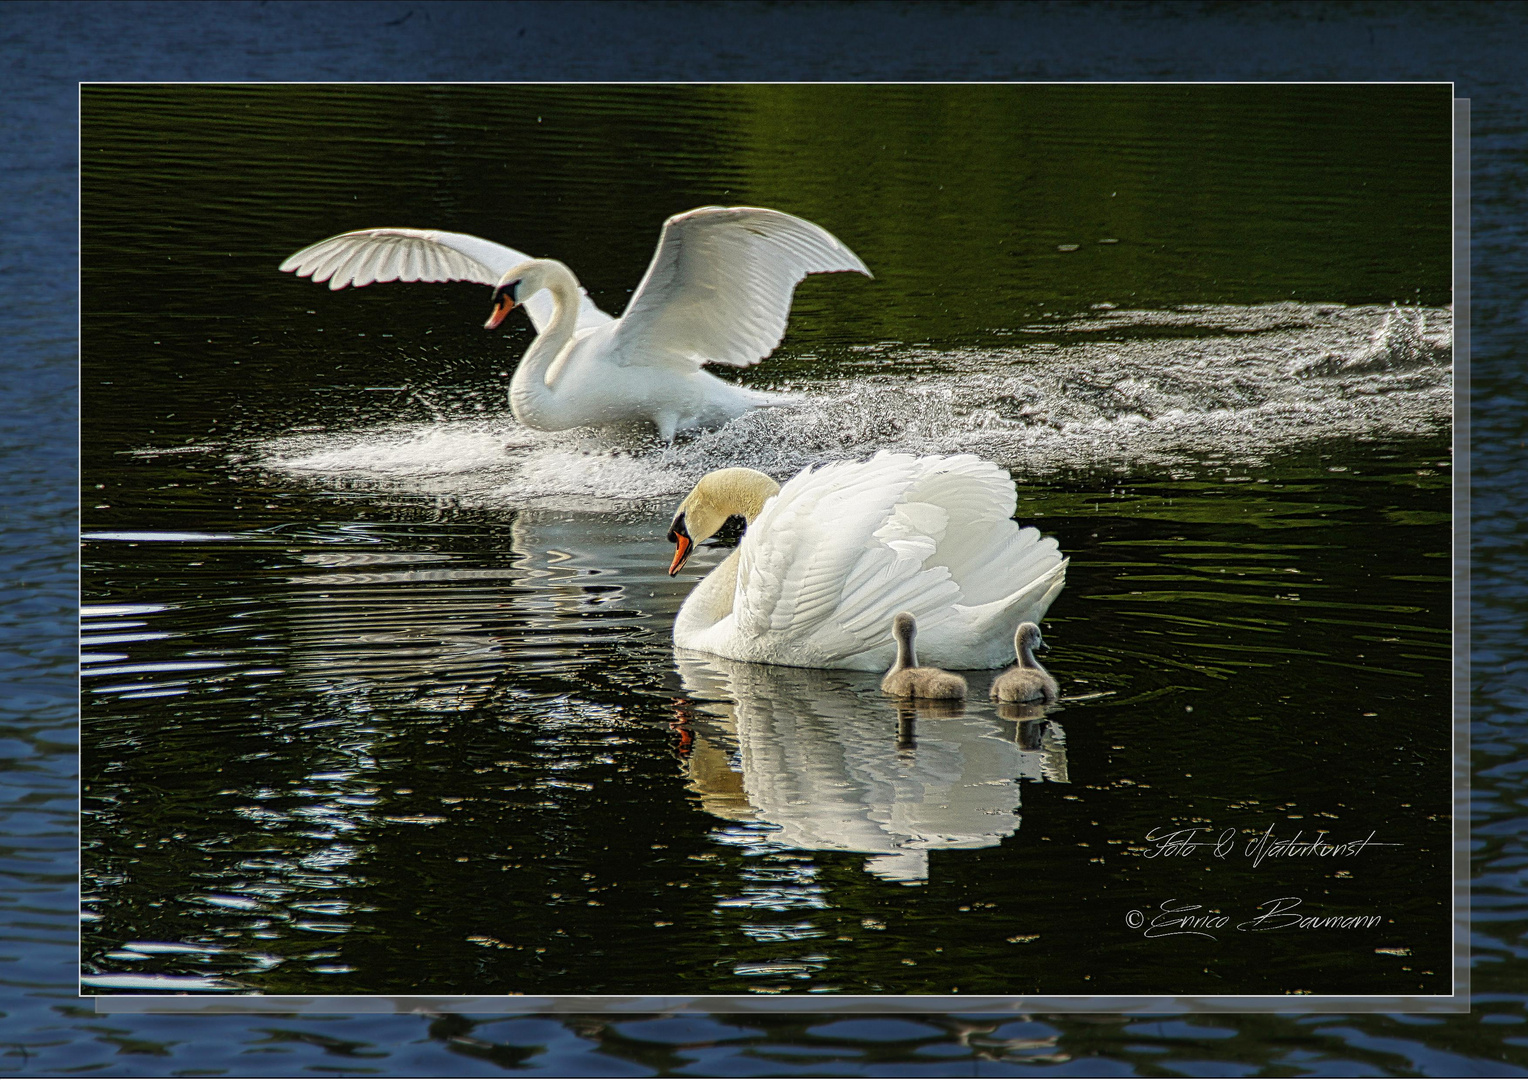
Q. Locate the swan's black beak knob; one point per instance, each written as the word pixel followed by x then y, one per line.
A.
pixel 503 304
pixel 679 536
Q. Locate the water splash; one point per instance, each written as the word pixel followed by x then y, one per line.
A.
pixel 1113 390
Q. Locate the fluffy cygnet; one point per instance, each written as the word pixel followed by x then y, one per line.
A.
pixel 906 679
pixel 1026 680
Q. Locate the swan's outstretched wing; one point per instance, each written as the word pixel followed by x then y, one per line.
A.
pixel 719 288
pixel 370 255
pixel 843 548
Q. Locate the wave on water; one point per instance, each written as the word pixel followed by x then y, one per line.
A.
pixel 1109 392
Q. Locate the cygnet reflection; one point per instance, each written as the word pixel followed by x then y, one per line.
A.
pixel 836 767
pixel 1042 741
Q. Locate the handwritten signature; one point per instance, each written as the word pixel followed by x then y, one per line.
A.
pixel 1178 843
pixel 1279 914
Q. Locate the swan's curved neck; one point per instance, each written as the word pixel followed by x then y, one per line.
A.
pixel 717 497
pixel 907 657
pixel 533 402
pixel 711 601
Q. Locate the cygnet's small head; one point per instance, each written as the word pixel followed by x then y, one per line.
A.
pixel 720 495
pixel 904 627
pixel 517 286
pixel 1028 634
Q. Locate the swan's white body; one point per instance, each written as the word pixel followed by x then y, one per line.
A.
pixel 829 560
pixel 718 291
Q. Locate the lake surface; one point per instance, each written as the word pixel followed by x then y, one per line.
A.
pixel 378 688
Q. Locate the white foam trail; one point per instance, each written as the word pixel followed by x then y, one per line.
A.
pixel 447 448
pixel 1126 389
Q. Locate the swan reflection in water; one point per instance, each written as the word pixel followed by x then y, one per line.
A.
pixel 439 629
pixel 822 756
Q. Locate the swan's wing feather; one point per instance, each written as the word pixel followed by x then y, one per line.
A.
pixel 366 256
pixel 1005 573
pixel 719 288
pixel 803 547
pixel 837 553
pixel 987 554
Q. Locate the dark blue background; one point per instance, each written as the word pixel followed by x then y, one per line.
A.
pixel 49 47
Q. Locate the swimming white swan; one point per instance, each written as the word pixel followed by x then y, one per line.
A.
pixel 828 559
pixel 718 291
pixel 1026 680
pixel 907 680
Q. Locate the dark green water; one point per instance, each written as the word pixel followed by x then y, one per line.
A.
pixel 379 694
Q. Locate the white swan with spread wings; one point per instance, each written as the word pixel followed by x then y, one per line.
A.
pixel 718 291
pixel 827 560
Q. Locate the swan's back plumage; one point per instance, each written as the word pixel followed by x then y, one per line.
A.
pixel 374 255
pixel 843 547
pixel 719 288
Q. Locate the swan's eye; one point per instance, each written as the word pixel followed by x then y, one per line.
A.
pixel 677 529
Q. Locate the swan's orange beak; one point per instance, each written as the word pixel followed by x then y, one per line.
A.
pixel 683 545
pixel 682 549
pixel 503 304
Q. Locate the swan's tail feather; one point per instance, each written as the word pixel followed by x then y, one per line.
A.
pixel 1028 603
pixel 1007 562
pixel 982 635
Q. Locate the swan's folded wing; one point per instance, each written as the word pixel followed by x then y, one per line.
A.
pixel 797 555
pixel 993 622
pixel 837 553
pixel 784 552
pixel 719 288
pixel 371 255
pixel 1006 574
pixel 843 548
pixel 986 553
